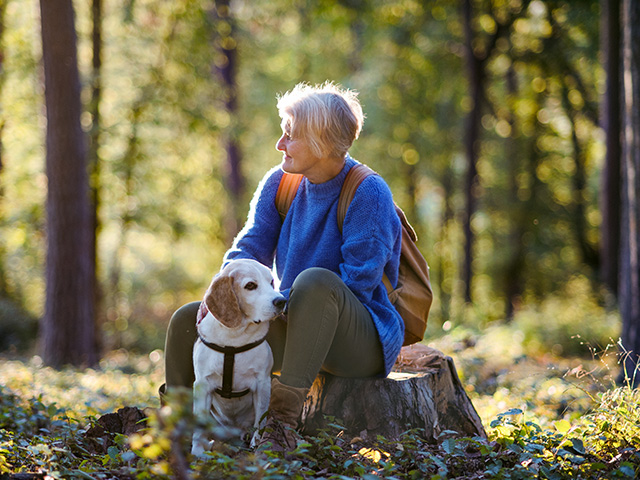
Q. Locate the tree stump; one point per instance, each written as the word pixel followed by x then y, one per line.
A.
pixel 423 392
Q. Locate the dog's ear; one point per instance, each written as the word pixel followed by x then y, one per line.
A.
pixel 222 302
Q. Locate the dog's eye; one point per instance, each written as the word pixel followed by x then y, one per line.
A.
pixel 251 286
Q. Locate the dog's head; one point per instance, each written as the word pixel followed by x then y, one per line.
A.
pixel 243 292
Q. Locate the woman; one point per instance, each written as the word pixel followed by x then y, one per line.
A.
pixel 339 318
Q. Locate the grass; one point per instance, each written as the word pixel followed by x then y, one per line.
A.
pixel 547 417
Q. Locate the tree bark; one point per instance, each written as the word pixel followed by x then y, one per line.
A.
pixel 68 332
pixel 225 44
pixel 94 145
pixel 610 118
pixel 427 395
pixel 475 76
pixel 629 286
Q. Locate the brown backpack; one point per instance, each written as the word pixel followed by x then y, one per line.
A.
pixel 413 296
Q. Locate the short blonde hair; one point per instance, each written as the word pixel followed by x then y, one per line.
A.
pixel 328 116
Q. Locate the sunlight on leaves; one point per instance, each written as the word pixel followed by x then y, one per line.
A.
pixel 562 426
pixel 372 454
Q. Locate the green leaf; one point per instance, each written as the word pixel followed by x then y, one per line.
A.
pixel 562 426
pixel 513 411
pixel 449 445
pixel 113 453
pixel 627 470
pixel 578 446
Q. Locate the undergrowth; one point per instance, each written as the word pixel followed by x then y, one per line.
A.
pixel 545 418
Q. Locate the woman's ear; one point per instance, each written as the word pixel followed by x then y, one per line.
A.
pixel 222 302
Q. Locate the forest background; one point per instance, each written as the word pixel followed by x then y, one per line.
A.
pixel 485 118
pixel 133 133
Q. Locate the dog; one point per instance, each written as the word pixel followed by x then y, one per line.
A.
pixel 231 359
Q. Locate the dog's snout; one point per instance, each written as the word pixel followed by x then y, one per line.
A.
pixel 279 303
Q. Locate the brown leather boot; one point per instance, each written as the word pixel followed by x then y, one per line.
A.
pixel 279 432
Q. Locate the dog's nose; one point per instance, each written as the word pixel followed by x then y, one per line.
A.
pixel 279 303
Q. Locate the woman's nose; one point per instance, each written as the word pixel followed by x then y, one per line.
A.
pixel 280 144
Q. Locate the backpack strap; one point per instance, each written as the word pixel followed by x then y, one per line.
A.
pixel 287 190
pixel 354 178
pixel 352 181
pixel 290 182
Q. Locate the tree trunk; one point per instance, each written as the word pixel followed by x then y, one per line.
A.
pixel 475 76
pixel 428 395
pixel 610 123
pixel 579 184
pixel 68 324
pixel 629 286
pixel 445 286
pixel 513 275
pixel 94 145
pixel 3 9
pixel 225 44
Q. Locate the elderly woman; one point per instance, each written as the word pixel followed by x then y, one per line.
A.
pixel 339 319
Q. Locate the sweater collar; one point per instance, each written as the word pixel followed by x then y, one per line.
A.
pixel 330 187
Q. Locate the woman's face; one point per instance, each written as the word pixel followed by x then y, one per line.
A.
pixel 298 157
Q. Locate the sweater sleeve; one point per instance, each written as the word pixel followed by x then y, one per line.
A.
pixel 371 239
pixel 259 236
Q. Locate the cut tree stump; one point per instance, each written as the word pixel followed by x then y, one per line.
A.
pixel 423 392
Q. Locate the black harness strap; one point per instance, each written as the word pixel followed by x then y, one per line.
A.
pixel 227 369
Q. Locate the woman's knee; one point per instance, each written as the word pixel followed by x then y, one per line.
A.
pixel 183 321
pixel 178 350
pixel 314 281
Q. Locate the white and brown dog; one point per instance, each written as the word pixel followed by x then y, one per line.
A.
pixel 231 359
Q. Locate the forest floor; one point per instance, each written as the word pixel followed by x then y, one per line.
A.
pixel 528 402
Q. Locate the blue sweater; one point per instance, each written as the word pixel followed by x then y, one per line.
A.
pixel 309 237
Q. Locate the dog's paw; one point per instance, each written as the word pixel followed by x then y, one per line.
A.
pixel 255 438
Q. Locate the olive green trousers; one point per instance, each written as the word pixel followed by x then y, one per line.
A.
pixel 326 329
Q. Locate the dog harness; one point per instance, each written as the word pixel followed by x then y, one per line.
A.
pixel 229 359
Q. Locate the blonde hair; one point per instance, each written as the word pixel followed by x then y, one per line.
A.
pixel 329 117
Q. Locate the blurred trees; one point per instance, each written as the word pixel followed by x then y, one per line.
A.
pixel 93 155
pixel 480 43
pixel 3 9
pixel 225 63
pixel 68 332
pixel 610 121
pixel 529 149
pixel 180 108
pixel 630 247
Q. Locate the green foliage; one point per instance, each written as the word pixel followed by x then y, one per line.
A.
pixel 18 327
pixel 84 393
pixel 613 424
pixel 35 437
pixel 569 323
pixel 546 418
pixel 163 200
pixel 578 450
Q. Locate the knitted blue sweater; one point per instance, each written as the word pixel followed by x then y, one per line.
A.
pixel 309 237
